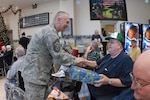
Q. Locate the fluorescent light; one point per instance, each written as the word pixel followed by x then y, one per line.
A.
pixel 146 1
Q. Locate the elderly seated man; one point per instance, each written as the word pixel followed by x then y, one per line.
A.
pixel 12 75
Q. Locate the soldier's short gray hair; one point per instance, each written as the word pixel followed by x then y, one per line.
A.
pixel 60 13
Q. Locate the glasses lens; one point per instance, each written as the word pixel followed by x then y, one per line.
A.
pixel 131 76
pixel 135 81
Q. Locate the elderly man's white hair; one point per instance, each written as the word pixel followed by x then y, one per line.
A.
pixel 20 51
pixel 8 47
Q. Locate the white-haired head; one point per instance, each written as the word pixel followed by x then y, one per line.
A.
pixel 8 47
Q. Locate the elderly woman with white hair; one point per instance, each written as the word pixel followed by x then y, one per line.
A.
pixel 8 56
pixel 3 49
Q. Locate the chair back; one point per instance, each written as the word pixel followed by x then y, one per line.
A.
pixel 20 81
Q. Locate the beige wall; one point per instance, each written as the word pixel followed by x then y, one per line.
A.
pixel 137 11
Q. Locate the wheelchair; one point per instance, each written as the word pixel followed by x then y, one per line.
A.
pixel 16 92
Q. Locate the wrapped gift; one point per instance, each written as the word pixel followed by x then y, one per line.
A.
pixel 83 75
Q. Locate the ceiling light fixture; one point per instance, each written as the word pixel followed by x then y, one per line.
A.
pixel 146 1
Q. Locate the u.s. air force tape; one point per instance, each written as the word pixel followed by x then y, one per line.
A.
pixel 56 46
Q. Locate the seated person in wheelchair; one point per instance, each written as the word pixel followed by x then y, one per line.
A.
pixel 12 75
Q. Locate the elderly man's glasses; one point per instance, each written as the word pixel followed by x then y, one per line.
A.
pixel 135 81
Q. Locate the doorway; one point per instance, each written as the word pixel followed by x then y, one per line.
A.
pixel 107 28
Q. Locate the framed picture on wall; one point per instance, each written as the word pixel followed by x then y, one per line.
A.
pixel 68 31
pixel 145 37
pixel 132 30
pixel 108 10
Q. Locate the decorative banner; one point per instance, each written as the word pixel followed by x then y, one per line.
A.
pixel 10 8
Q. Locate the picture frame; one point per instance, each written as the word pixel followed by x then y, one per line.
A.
pixel 108 10
pixel 145 37
pixel 132 30
pixel 68 32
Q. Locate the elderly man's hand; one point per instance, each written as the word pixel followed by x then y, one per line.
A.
pixel 80 61
pixel 102 81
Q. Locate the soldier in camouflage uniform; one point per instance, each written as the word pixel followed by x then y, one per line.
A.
pixel 44 48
